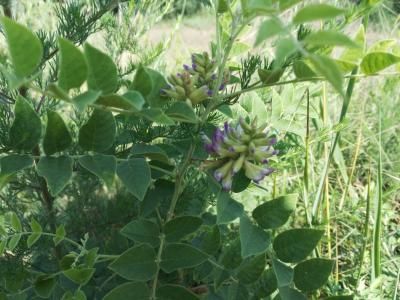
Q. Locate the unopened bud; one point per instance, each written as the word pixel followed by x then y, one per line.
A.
pixel 199 95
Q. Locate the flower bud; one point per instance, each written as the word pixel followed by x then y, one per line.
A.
pixel 238 164
pixel 227 182
pixel 199 95
pixel 223 171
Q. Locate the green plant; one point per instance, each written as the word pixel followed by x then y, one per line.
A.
pixel 135 153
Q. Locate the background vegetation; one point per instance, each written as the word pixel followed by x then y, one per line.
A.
pixel 158 35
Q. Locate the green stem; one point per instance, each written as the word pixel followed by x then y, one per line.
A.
pixel 44 234
pixel 38 157
pixel 158 261
pixel 345 106
pixel 179 185
pixel 376 271
pixel 298 80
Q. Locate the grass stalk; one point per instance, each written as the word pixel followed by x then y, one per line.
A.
pixel 376 257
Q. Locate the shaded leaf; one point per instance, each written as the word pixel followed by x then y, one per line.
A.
pixel 44 286
pixel 98 133
pixel 240 181
pixel 137 263
pixel 131 100
pixel 57 136
pixel 102 72
pixel 14 221
pixel 302 70
pixel 253 239
pixel 182 112
pixel 25 117
pixel 103 166
pixel 275 213
pixel 152 152
pixel 267 284
pixel 157 115
pixel 135 174
pixel 57 171
pixel 73 69
pixel 175 292
pixel 270 76
pixel 87 98
pixel 211 240
pixel 37 232
pixel 142 82
pixel 179 256
pixel 284 273
pixel 142 231
pixel 60 234
pixel 251 269
pixel 227 209
pixel 80 276
pixel 140 290
pixel 312 274
pixel 13 163
pixel 178 228
pixel 296 244
pixel 287 293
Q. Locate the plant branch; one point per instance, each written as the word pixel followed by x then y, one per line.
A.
pixel 179 185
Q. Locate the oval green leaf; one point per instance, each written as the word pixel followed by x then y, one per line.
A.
pixel 102 75
pixel 140 290
pixel 275 213
pixel 296 244
pixel 57 136
pixel 103 166
pixel 179 256
pixel 135 174
pixel 178 228
pixel 25 117
pixel 227 209
pixel 253 239
pixel 98 133
pixel 137 263
pixel 251 269
pixel 377 61
pixel 142 231
pixel 312 274
pixel 315 12
pixel 57 171
pixel 73 69
pixel 25 48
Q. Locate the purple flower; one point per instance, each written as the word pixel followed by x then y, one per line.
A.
pixel 186 67
pixel 227 183
pixel 222 87
pixel 218 175
pixel 194 66
pixel 209 148
pixel 209 93
pixel 227 128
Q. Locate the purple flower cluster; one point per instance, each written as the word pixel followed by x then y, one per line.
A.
pixel 241 145
pixel 195 83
